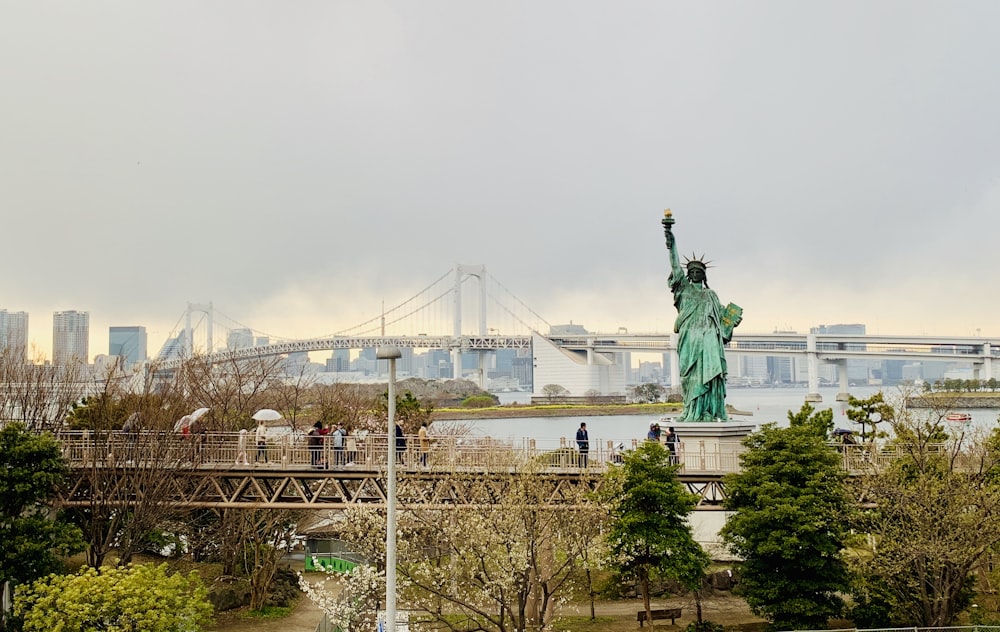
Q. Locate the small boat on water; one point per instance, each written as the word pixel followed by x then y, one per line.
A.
pixel 959 418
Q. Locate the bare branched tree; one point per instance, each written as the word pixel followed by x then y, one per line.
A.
pixel 504 566
pixel 934 519
pixel 233 389
pixel 37 393
pixel 127 460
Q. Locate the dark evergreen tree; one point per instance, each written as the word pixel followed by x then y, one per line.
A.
pixel 31 544
pixel 792 512
pixel 649 536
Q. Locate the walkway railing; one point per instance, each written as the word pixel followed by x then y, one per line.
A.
pixel 237 450
pixel 233 450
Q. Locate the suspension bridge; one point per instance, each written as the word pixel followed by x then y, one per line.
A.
pixel 467 310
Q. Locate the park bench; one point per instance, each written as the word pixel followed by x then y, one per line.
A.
pixel 662 613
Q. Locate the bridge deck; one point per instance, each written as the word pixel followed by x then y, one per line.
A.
pixel 223 470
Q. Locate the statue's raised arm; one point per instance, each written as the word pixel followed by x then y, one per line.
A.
pixel 668 234
pixel 705 326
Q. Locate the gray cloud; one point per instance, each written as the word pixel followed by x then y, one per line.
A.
pixel 299 164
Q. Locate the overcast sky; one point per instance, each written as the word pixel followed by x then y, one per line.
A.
pixel 297 163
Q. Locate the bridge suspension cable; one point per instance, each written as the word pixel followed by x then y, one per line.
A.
pixel 443 307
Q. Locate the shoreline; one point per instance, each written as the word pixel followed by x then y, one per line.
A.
pixel 513 411
pixel 954 400
pixel 518 411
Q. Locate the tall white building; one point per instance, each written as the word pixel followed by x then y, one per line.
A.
pixel 70 337
pixel 579 372
pixel 14 333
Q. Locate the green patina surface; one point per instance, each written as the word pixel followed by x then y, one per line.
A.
pixel 704 326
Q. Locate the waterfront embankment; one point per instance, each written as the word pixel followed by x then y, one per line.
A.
pixel 950 401
pixel 513 411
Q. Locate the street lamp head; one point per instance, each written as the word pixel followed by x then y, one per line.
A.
pixel 388 353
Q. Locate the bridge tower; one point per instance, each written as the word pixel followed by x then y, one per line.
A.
pixel 188 343
pixel 461 273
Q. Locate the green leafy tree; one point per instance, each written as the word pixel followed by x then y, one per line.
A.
pixel 31 544
pixel 410 412
pixel 869 413
pixel 649 536
pixel 818 422
pixel 790 526
pixel 141 598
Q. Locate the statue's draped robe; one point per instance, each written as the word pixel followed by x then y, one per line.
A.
pixel 701 350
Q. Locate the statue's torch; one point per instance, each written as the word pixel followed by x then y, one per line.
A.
pixel 668 225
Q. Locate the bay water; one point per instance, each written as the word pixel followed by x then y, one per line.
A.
pixel 765 405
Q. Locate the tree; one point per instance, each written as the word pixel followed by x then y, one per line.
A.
pixel 354 606
pixel 410 412
pixel 790 526
pixel 650 392
pixel 266 535
pixel 347 404
pixel 649 535
pixel 127 473
pixel 819 423
pixel 37 393
pixel 504 566
pixel 132 599
pixel 233 389
pixel 553 391
pixel 934 518
pixel 870 412
pixel 31 544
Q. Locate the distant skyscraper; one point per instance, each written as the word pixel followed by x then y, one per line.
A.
pixel 239 339
pixel 14 333
pixel 339 360
pixel 70 337
pixel 129 343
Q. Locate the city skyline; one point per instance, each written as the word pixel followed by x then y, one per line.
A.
pixel 839 162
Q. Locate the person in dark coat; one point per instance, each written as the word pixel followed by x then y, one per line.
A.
pixel 400 443
pixel 583 443
pixel 315 443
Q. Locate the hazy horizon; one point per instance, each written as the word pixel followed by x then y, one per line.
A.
pixel 297 165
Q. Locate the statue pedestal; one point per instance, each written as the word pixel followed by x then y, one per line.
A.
pixel 709 449
pixel 710 446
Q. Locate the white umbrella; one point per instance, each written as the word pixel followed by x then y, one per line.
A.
pixel 266 414
pixel 182 423
pixel 198 414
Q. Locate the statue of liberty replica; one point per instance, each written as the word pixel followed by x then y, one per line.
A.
pixel 704 326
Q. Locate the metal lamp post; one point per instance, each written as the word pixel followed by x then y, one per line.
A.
pixel 391 354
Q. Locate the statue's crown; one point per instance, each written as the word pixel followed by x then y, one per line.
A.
pixel 695 261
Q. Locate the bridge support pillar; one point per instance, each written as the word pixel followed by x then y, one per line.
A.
pixel 812 363
pixel 482 369
pixel 843 394
pixel 987 362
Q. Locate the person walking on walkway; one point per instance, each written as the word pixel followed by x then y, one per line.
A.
pixel 260 436
pixel 339 458
pixel 673 444
pixel 583 443
pixel 315 442
pixel 425 443
pixel 400 443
